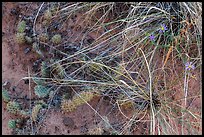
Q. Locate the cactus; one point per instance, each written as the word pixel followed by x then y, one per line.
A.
pixel 48 15
pixel 87 96
pixel 95 131
pixel 127 104
pixel 21 27
pixel 41 91
pixel 44 37
pixel 20 38
pixel 56 39
pixel 45 70
pixel 35 111
pixel 12 124
pixel 38 81
pixel 24 113
pixel 5 95
pixel 37 49
pixel 58 69
pixel 67 106
pixel 13 107
pixel 28 39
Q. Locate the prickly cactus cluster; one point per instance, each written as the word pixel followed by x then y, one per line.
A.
pixel 12 124
pixel 56 39
pixel 13 107
pixel 71 105
pixel 58 70
pixel 68 106
pixel 44 37
pixel 20 38
pixel 41 91
pixel 45 70
pixel 21 27
pixel 35 111
pixel 5 95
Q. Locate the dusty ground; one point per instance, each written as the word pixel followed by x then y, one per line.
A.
pixel 16 64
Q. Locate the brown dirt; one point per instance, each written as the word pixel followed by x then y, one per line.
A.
pixel 15 66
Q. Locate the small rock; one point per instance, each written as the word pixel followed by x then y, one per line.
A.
pixel 27 50
pixel 68 122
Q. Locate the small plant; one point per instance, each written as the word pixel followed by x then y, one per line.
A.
pixel 58 70
pixel 5 95
pixel 28 39
pixel 96 131
pixel 87 96
pixel 45 70
pixel 41 91
pixel 21 27
pixel 20 38
pixel 68 106
pixel 12 124
pixel 13 107
pixel 56 39
pixel 44 37
pixel 35 111
pixel 24 113
pixel 48 15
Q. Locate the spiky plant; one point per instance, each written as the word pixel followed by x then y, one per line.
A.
pixel 5 95
pixel 13 107
pixel 24 113
pixel 29 40
pixel 21 27
pixel 12 123
pixel 96 131
pixel 41 91
pixel 58 70
pixel 35 111
pixel 87 96
pixel 45 70
pixel 44 37
pixel 68 106
pixel 38 81
pixel 56 39
pixel 20 38
pixel 47 15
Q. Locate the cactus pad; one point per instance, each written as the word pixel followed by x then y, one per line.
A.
pixel 13 107
pixel 5 95
pixel 20 38
pixel 67 106
pixel 56 39
pixel 12 124
pixel 35 111
pixel 44 37
pixel 21 27
pixel 41 91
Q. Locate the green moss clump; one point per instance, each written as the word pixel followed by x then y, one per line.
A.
pixel 20 38
pixel 13 107
pixel 41 91
pixel 5 95
pixel 21 27
pixel 56 39
pixel 12 124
